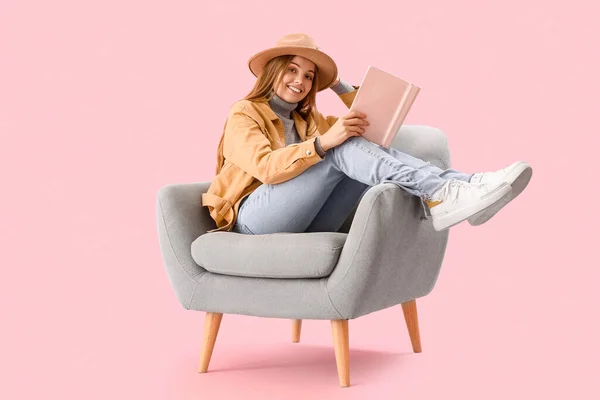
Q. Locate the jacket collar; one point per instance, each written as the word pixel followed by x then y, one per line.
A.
pixel 300 123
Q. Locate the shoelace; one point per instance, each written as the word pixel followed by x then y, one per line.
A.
pixel 447 192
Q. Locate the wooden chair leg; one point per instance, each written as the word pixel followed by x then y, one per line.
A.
pixel 212 322
pixel 341 346
pixel 412 323
pixel 296 328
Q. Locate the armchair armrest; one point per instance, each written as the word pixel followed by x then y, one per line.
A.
pixel 180 221
pixel 425 142
pixel 390 255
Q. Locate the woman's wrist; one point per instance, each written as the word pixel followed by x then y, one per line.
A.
pixel 320 150
pixel 322 145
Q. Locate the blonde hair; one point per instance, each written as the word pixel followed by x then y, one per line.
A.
pixel 270 78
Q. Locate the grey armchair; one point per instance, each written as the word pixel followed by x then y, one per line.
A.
pixel 387 253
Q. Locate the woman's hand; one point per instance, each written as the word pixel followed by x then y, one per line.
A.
pixel 351 124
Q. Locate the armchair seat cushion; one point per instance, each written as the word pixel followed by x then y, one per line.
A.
pixel 278 255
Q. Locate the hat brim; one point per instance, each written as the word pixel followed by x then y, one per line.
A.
pixel 327 68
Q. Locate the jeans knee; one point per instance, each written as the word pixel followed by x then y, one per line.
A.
pixel 351 141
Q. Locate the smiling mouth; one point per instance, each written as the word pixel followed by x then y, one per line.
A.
pixel 292 90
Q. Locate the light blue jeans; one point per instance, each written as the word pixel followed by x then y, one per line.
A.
pixel 321 198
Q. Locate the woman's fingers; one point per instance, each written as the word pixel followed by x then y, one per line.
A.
pixel 356 121
pixel 356 128
pixel 356 114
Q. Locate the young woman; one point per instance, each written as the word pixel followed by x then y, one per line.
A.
pixel 284 167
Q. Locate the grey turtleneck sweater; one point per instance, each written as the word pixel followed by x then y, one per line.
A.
pixel 283 109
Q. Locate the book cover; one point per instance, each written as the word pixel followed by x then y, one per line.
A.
pixel 386 99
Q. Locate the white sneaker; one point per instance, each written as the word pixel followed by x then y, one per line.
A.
pixel 517 175
pixel 458 200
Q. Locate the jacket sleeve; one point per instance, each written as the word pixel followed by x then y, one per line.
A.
pixel 326 122
pixel 246 146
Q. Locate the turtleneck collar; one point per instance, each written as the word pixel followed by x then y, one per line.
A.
pixel 282 107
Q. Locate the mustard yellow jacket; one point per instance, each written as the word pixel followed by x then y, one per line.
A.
pixel 252 151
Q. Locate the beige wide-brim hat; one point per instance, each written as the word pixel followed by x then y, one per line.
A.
pixel 298 44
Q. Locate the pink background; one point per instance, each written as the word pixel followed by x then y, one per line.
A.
pixel 102 104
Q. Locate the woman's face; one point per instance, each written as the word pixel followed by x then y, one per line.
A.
pixel 298 74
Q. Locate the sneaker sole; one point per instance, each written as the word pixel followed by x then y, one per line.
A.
pixel 458 216
pixel 520 181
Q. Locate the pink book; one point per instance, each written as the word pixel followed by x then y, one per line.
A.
pixel 386 99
